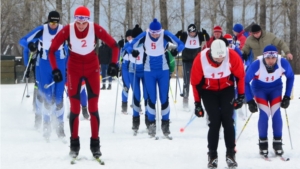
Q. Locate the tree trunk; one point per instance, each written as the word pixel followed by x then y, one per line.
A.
pixel 293 36
pixel 163 14
pixel 96 11
pixel 197 14
pixel 263 14
pixel 271 15
pixel 153 10
pixel 28 15
pixel 256 12
pixel 59 8
pixel 141 13
pixel 229 14
pixel 130 15
pixel 182 14
pixel 127 13
pixel 109 16
pixel 244 12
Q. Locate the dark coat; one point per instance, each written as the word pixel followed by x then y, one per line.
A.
pixel 105 54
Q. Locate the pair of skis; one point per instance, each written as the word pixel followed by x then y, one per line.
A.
pixel 282 158
pixel 74 159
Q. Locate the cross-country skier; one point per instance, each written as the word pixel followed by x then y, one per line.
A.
pixel 83 64
pixel 156 70
pixel 42 36
pixel 212 78
pixel 192 40
pixel 265 92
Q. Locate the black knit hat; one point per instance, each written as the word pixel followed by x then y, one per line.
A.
pixel 53 16
pixel 136 31
pixel 255 28
pixel 128 33
pixel 192 28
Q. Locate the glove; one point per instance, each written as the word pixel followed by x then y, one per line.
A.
pixel 252 106
pixel 285 102
pixel 178 34
pixel 121 43
pixel 113 70
pixel 57 76
pixel 135 53
pixel 199 112
pixel 32 47
pixel 204 31
pixel 245 56
pixel 27 73
pixel 238 102
pixel 174 52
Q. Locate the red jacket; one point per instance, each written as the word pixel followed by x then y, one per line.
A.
pixel 236 69
pixel 64 35
pixel 241 38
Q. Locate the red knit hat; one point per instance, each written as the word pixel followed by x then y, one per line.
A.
pixel 82 14
pixel 228 36
pixel 218 29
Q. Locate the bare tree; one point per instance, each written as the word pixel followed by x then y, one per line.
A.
pixel 256 12
pixel 163 13
pixel 59 7
pixel 263 14
pixel 229 17
pixel 96 11
pixel 197 14
pixel 182 14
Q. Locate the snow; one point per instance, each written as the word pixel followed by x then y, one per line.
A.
pixel 22 147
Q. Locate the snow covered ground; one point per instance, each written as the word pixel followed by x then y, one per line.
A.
pixel 22 147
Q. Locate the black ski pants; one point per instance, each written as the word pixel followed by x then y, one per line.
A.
pixel 219 109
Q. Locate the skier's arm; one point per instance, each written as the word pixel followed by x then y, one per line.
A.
pixel 288 72
pixel 139 39
pixel 250 74
pixel 59 39
pixel 237 69
pixel 196 77
pixel 104 36
pixel 175 40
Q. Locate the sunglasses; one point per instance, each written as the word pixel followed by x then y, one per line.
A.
pixel 82 18
pixel 270 54
pixel 157 32
pixel 53 23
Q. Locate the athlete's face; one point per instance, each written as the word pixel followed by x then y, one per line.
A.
pixel 155 35
pixel 53 25
pixel 218 60
pixel 192 34
pixel 81 25
pixel 217 35
pixel 256 34
pixel 270 61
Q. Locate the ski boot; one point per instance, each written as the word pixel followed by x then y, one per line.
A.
pixel 230 159
pixel 46 130
pixel 95 147
pixel 124 107
pixel 74 147
pixel 135 124
pixel 37 121
pixel 85 112
pixel 165 127
pixel 103 87
pixel 277 146
pixel 263 147
pixel 212 159
pixel 109 87
pixel 152 129
pixel 60 130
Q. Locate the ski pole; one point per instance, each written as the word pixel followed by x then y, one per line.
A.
pixel 188 123
pixel 46 86
pixel 116 102
pixel 29 60
pixel 287 122
pixel 244 127
pixel 27 88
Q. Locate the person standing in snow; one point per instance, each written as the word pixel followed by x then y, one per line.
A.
pixel 264 90
pixel 212 77
pixel 104 56
pixel 83 64
pixel 156 70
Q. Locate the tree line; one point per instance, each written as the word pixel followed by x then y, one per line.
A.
pixel 116 16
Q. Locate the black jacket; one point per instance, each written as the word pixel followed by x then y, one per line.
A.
pixel 104 54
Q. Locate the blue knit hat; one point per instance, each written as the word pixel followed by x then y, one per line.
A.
pixel 270 51
pixel 155 27
pixel 238 28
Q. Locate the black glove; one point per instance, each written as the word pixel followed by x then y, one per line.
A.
pixel 57 76
pixel 252 106
pixel 174 52
pixel 285 102
pixel 199 112
pixel 113 70
pixel 238 102
pixel 245 56
pixel 178 34
pixel 121 43
pixel 204 31
pixel 32 47
pixel 135 53
pixel 27 73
